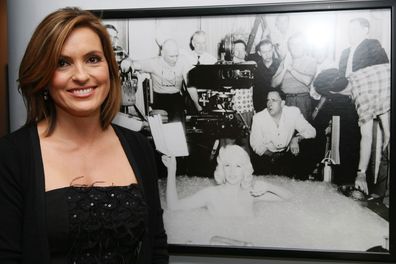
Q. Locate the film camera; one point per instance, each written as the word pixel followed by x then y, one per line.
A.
pixel 216 85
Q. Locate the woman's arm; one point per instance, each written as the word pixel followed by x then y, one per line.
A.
pixel 159 244
pixel 11 205
pixel 173 202
pixel 156 248
pixel 269 192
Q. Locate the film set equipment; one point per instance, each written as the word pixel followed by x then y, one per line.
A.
pixel 129 84
pixel 216 86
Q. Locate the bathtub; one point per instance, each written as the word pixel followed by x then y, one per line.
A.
pixel 316 218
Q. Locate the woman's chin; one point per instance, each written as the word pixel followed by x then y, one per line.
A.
pixel 233 182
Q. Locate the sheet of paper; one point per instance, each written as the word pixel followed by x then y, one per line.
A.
pixel 169 138
pixel 175 139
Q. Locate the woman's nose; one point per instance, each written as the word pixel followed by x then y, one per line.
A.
pixel 80 74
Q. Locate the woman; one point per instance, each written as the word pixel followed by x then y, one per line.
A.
pixel 235 194
pixel 73 187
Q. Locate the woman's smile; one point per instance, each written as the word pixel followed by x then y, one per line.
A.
pixel 81 82
pixel 82 92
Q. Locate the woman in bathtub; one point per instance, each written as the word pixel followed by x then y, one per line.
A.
pixel 236 192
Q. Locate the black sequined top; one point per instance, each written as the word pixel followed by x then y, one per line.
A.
pixel 95 224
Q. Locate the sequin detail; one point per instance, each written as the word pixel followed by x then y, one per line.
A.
pixel 106 224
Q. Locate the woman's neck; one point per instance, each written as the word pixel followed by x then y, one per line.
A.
pixel 232 188
pixel 80 131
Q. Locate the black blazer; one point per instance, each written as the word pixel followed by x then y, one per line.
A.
pixel 23 228
pixel 368 53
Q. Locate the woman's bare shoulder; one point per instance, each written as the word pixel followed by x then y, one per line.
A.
pixel 209 191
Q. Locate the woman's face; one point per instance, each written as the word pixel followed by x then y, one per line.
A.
pixel 233 170
pixel 81 82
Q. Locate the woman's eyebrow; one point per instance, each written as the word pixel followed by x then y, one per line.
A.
pixel 92 52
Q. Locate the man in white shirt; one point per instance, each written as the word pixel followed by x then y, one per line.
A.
pixel 168 73
pixel 274 138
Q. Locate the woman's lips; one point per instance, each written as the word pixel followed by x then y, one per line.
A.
pixel 82 92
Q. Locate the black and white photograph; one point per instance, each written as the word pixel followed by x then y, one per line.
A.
pixel 272 129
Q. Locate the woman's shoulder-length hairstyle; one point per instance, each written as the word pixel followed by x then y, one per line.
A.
pixel 41 59
pixel 231 151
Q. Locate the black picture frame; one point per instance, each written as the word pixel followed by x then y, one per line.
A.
pixel 284 8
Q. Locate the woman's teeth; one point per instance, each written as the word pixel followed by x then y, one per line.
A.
pixel 82 91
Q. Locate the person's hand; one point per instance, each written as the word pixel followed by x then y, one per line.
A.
pixel 199 108
pixel 145 125
pixel 294 147
pixel 361 182
pixel 259 188
pixel 328 129
pixel 169 162
pixel 163 114
pixel 267 145
pixel 126 65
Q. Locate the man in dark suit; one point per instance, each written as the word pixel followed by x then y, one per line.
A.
pixel 267 65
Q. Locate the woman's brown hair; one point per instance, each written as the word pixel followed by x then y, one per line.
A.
pixel 41 60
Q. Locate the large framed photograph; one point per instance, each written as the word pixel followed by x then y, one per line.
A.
pixel 272 124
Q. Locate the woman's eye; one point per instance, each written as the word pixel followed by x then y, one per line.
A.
pixel 62 63
pixel 94 59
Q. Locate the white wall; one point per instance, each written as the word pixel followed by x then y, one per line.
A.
pixel 23 17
